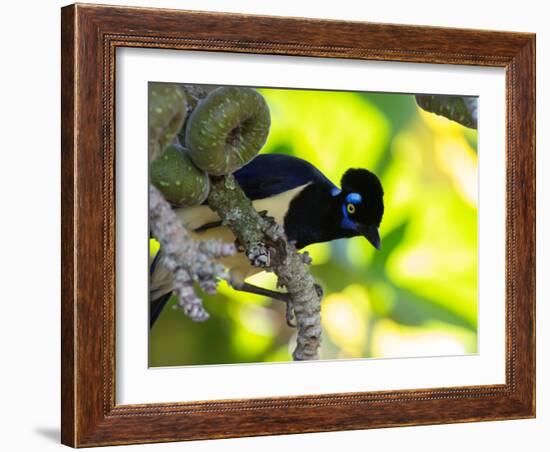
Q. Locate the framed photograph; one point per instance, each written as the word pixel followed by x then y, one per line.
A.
pixel 282 225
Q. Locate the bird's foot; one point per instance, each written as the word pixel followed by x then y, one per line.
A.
pixel 289 315
pixel 319 290
pixel 281 296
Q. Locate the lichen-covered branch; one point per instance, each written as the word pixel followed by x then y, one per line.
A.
pixel 456 108
pixel 221 129
pixel 266 246
pixel 189 261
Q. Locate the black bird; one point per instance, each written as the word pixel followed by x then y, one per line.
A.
pixel 297 195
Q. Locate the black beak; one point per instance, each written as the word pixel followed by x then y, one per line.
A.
pixel 372 235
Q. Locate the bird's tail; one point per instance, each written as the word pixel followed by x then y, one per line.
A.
pixel 156 307
pixel 160 288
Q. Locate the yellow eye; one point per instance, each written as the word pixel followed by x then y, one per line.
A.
pixel 351 208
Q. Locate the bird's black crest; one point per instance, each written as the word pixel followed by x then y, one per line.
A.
pixel 367 184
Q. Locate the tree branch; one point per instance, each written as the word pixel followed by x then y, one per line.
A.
pixel 224 128
pixel 266 246
pixel 188 260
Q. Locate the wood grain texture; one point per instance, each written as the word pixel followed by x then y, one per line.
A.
pixel 90 36
pixel 68 245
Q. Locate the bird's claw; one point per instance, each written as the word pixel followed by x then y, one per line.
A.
pixel 290 315
pixel 319 290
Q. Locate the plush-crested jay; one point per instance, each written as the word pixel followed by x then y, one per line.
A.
pixel 298 196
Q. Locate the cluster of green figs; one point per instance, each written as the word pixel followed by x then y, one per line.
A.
pixel 190 140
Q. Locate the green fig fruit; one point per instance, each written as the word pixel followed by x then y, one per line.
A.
pixel 178 179
pixel 227 129
pixel 167 113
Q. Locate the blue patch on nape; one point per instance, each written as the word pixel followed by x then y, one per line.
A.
pixel 335 191
pixel 354 198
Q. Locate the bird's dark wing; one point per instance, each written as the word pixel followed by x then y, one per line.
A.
pixel 156 307
pixel 270 174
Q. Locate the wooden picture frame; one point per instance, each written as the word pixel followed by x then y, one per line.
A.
pixel 90 36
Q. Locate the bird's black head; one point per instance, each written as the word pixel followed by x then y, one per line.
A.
pixel 362 204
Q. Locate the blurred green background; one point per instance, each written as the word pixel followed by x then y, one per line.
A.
pixel 417 296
